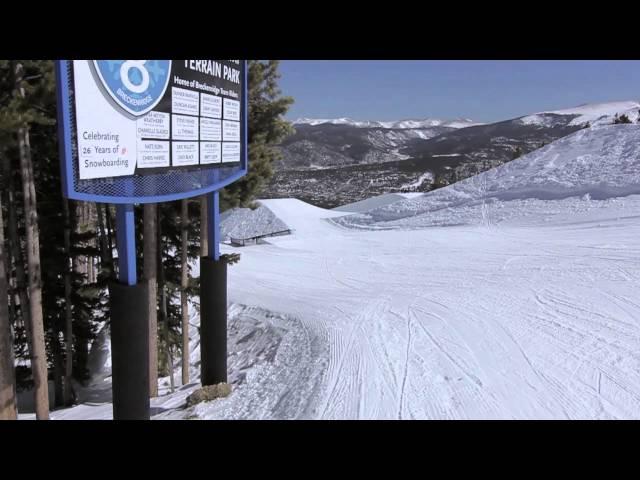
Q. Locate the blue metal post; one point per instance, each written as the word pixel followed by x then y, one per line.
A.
pixel 126 239
pixel 213 303
pixel 129 327
pixel 213 205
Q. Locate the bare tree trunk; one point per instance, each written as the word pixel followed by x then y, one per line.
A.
pixel 15 250
pixel 84 259
pixel 58 385
pixel 167 340
pixel 204 231
pixel 150 251
pixel 13 320
pixel 109 232
pixel 68 316
pixel 93 271
pixel 81 344
pixel 105 267
pixel 164 318
pixel 184 284
pixel 8 407
pixel 39 353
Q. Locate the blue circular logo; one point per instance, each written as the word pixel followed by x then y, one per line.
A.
pixel 136 85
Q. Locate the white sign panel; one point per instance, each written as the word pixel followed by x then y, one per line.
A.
pixel 153 154
pixel 106 144
pixel 210 152
pixel 230 131
pixel 184 101
pixel 210 130
pixel 154 125
pixel 230 152
pixel 185 153
pixel 184 127
pixel 231 109
pixel 210 106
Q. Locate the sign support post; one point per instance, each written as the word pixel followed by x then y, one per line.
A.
pixel 213 305
pixel 213 206
pixel 126 242
pixel 129 327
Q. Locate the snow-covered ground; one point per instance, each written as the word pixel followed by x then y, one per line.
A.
pixel 511 295
pixel 524 306
pixel 267 354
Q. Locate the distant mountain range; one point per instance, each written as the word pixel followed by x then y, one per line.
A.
pixel 399 124
pixel 331 162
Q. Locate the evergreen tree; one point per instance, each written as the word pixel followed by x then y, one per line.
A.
pixel 267 128
pixel 517 153
pixel 624 118
pixel 177 288
pixel 69 302
pixel 440 181
pixel 24 111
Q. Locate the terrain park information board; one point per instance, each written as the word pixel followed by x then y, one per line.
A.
pixel 171 127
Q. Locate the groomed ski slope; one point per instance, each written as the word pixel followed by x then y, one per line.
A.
pixel 529 308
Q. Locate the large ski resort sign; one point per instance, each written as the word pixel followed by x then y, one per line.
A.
pixel 147 131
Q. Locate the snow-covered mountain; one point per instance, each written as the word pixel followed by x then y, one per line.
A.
pixel 398 124
pixel 594 114
pixel 332 162
pixel 598 163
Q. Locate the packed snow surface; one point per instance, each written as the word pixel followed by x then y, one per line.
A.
pixel 512 295
pixel 245 223
pixel 370 203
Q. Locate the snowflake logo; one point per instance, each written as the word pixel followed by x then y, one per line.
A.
pixel 136 85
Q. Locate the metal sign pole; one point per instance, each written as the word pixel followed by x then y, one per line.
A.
pixel 213 303
pixel 213 206
pixel 126 241
pixel 129 327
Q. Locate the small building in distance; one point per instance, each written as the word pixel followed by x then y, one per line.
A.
pixel 244 226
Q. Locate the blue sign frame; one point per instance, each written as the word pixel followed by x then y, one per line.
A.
pixel 217 178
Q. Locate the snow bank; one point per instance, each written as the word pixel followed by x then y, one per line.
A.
pixel 300 216
pixel 370 203
pixel 243 223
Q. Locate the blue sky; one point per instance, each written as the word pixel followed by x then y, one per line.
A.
pixel 480 90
